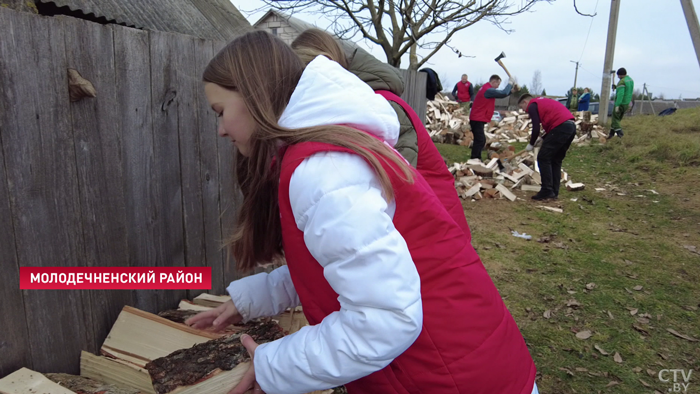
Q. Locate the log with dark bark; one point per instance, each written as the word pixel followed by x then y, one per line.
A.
pixel 189 366
pixel 178 315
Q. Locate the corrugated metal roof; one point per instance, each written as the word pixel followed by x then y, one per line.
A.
pixel 209 19
pixel 299 25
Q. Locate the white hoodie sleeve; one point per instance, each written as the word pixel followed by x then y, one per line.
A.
pixel 264 295
pixel 337 202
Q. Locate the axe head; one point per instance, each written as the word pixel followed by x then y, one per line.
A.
pixel 501 56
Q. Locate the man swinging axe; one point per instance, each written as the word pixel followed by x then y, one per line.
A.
pixel 559 133
pixel 484 106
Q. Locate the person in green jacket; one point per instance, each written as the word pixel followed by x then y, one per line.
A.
pixel 378 75
pixel 572 100
pixel 623 95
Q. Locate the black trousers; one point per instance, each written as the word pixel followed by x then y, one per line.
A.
pixel 479 138
pixel 554 147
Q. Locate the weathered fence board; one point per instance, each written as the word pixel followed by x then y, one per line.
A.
pixel 208 141
pixel 166 85
pixel 188 121
pixel 414 91
pixel 132 73
pixel 98 141
pixel 14 337
pixel 44 190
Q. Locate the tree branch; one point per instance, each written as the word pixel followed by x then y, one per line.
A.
pixel 580 13
pixel 400 24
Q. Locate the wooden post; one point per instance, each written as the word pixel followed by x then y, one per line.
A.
pixel 608 64
pixel 693 26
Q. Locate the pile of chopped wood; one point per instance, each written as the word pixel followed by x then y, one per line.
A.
pixel 448 124
pixel 158 354
pixel 505 173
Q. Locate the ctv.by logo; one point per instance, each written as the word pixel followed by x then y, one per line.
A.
pixel 678 387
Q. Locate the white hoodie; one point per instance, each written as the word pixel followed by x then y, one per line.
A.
pixel 337 202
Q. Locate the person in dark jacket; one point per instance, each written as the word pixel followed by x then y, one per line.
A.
pixel 584 100
pixel 559 133
pixel 463 93
pixel 482 111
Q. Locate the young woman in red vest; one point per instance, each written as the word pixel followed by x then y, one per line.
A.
pixel 463 92
pixel 559 133
pixel 397 299
pixel 482 111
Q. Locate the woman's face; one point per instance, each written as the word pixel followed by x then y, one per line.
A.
pixel 235 121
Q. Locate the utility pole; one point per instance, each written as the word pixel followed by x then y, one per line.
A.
pixel 575 75
pixel 608 64
pixel 692 19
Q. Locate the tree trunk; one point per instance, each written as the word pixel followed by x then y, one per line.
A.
pixel 391 59
pixel 413 58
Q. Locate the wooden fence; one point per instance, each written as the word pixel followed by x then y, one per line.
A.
pixel 414 91
pixel 134 177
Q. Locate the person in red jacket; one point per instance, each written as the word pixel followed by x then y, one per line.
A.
pixel 397 299
pixel 463 93
pixel 482 111
pixel 559 132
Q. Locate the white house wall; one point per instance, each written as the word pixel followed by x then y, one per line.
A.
pixel 284 30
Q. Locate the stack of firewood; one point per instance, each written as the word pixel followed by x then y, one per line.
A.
pixel 501 176
pixel 158 354
pixel 447 123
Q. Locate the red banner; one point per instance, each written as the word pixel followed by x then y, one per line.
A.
pixel 114 278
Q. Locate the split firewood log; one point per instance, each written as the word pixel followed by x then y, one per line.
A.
pixel 195 365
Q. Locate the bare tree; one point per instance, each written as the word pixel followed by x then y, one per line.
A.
pixel 401 26
pixel 536 85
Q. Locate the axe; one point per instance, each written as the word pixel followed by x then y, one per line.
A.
pixel 500 63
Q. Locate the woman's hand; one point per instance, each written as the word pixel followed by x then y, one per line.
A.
pixel 248 379
pixel 217 318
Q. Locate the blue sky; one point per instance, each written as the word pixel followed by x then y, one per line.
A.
pixel 653 44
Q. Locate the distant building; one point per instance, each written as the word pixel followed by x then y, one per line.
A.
pixel 282 25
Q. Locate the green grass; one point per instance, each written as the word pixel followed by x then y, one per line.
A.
pixel 617 242
pixel 653 142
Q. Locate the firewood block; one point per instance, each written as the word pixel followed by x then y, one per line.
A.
pixel 83 385
pixel 26 381
pixel 188 370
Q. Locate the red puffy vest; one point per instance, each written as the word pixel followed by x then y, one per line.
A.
pixel 469 342
pixel 432 166
pixel 463 91
pixel 482 108
pixel 552 113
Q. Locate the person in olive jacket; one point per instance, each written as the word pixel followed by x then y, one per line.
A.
pixel 378 76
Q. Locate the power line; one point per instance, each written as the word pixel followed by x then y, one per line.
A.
pixel 589 30
pixel 589 72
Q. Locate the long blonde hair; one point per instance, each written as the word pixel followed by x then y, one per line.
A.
pixel 265 71
pixel 313 42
